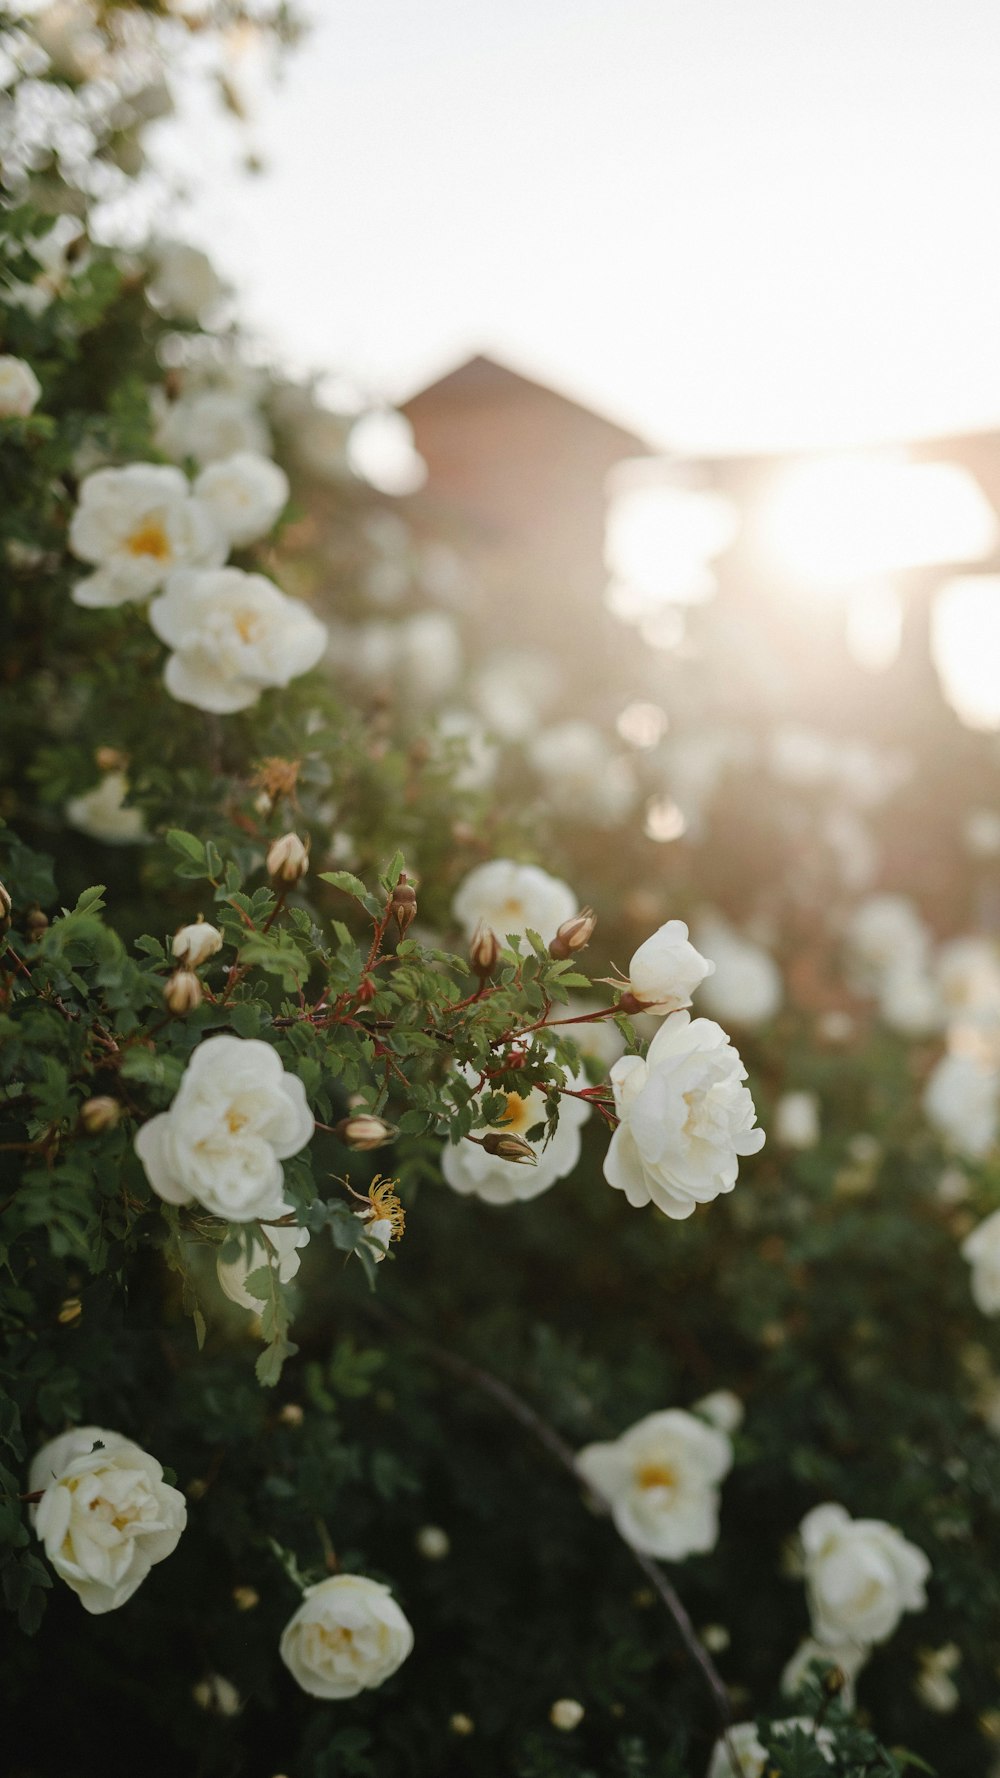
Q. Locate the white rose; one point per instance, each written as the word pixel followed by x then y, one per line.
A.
pixel 185 282
pixel 510 898
pixel 513 690
pixel 908 999
pixel 968 974
pixel 861 1575
pixel 429 655
pixel 135 525
pixel 468 1168
pixel 796 1120
pixel 934 1686
pixel 68 33
pixel 982 1250
pixel 745 987
pixel 101 813
pixel 850 1657
pixel 347 1636
pixel 751 1754
pixel 19 389
pixel 581 774
pixel 962 1101
pixel 685 1118
pixel 286 1244
pixel 233 635
pixel 106 1515
pixel 661 1480
pixel 209 425
pixel 245 494
pixel 236 1116
pixel 666 970
pixel 885 931
pixel 478 768
pixel 193 945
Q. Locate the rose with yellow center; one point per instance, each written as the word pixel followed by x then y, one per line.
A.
pixel 105 1516
pixel 348 1636
pixel 513 898
pixel 134 525
pixel 233 635
pixel 660 1481
pixel 472 1171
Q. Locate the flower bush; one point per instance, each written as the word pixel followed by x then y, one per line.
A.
pixel 488 1396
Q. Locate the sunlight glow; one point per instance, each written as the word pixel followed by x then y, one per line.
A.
pixel 844 519
pixel 659 545
pixel 874 625
pixel 965 646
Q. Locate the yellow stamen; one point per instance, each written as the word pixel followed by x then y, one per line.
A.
pixel 656 1475
pixel 150 540
pixel 386 1205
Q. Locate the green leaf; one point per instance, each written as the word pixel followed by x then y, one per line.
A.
pixel 343 880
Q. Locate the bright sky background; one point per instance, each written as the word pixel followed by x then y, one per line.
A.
pixel 726 222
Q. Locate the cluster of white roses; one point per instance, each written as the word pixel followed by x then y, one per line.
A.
pixel 106 1516
pixel 147 531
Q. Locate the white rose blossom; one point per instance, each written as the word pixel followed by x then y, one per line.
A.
pixel 509 898
pixel 236 1116
pixel 233 635
pixel 19 389
pixel 285 1257
pixel 745 987
pixel 962 1102
pixel 185 282
pixel 849 1657
pixel 685 1118
pixel 135 525
pixel 245 494
pixel 796 1120
pixel 348 1636
pixel 666 970
pixel 861 1575
pixel 106 1515
pixel 661 1480
pixel 101 813
pixel 471 1171
pixel 721 1408
pixel 209 425
pixel 751 1755
pixel 982 1250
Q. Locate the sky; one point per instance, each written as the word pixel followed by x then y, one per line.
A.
pixel 729 224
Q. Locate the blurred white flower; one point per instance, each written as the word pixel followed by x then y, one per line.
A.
pixel 962 1101
pixel 582 775
pixel 861 1575
pixel 233 635
pixel 472 1171
pixel 908 999
pixel 101 813
pixel 286 1243
pixel 600 1040
pixel 886 932
pixel 19 389
pixel 722 1408
pixel 479 768
pixel 751 1756
pixel 135 525
pixel 185 283
pixel 509 898
pixel 666 969
pixel 566 1714
pixel 193 945
pixel 850 1657
pixel 745 987
pixel 236 1116
pixel 661 1479
pixel 982 1250
pixel 430 655
pixel 68 33
pixel 347 1636
pixel 935 1686
pixel 245 495
pixel 686 1118
pixel 217 1695
pixel 106 1515
pixel 316 436
pixel 513 691
pixel 210 425
pixel 796 1120
pixel 981 831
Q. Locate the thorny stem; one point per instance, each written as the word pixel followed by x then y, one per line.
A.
pixel 565 1456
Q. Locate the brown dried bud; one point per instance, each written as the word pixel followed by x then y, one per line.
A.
pixel 99 1114
pixel 110 759
pixel 36 924
pixel 182 991
pixel 70 1311
pixel 5 909
pixel 404 903
pixel 288 858
pixel 573 935
pixel 508 1147
pixel 484 950
pixel 245 1598
pixel 363 1130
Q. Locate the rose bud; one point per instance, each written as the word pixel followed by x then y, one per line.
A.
pixel 288 858
pixel 110 759
pixel 99 1114
pixel 182 991
pixel 5 908
pixel 36 924
pixel 484 950
pixel 573 935
pixel 404 904
pixel 363 1130
pixel 193 945
pixel 508 1147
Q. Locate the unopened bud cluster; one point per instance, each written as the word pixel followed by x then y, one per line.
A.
pixel 573 935
pixel 182 991
pixel 99 1114
pixel 508 1147
pixel 484 950
pixel 194 945
pixel 404 903
pixel 362 1130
